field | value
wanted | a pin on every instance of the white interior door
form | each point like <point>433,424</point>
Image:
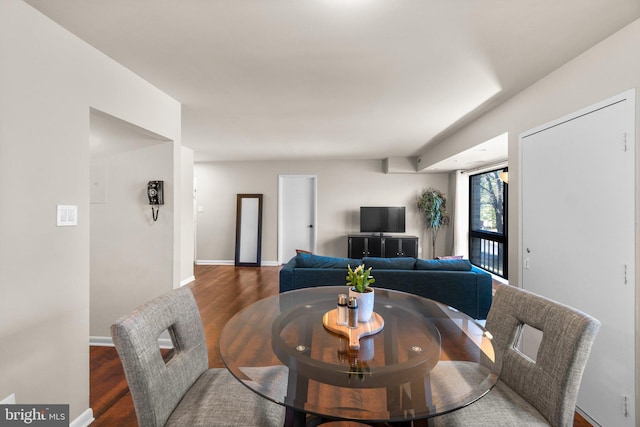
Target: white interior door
<point>296,215</point>
<point>578,247</point>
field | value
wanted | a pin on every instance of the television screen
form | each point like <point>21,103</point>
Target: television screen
<point>382,219</point>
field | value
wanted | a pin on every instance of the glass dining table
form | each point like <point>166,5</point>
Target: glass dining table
<point>428,358</point>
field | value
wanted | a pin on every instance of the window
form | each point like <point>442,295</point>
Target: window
<point>488,222</point>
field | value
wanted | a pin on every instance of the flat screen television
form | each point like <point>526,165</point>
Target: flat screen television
<point>382,219</point>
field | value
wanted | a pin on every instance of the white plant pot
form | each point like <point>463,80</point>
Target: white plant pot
<point>365,304</point>
<point>367,349</point>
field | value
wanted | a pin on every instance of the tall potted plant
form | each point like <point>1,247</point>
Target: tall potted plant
<point>432,206</point>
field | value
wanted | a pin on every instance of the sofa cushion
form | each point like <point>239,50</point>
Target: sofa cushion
<point>443,264</point>
<point>318,261</point>
<point>401,263</point>
<point>450,257</point>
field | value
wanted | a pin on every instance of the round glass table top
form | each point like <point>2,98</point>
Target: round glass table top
<point>428,358</point>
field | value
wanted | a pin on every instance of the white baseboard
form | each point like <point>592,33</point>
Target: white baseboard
<point>108,342</point>
<point>9,400</point>
<point>101,341</point>
<point>587,417</point>
<point>231,262</point>
<point>84,420</point>
<point>499,279</point>
<point>214,262</point>
<point>165,343</point>
<point>188,280</point>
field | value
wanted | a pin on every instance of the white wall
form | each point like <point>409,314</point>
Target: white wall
<point>607,69</point>
<point>187,224</point>
<point>49,80</point>
<point>130,253</point>
<point>343,186</point>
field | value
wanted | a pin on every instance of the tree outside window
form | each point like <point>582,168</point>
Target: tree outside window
<point>488,222</point>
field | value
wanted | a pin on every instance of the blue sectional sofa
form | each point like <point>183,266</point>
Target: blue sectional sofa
<point>456,282</point>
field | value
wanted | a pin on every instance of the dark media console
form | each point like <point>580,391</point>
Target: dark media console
<point>386,246</point>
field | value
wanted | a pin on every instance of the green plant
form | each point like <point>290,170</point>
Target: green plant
<point>433,208</point>
<point>359,369</point>
<point>359,279</point>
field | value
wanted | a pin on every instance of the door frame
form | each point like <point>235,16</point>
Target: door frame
<point>314,212</point>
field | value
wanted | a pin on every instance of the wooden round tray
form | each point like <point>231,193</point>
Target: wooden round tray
<point>373,326</point>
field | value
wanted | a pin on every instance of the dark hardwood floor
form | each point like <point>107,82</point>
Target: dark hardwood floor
<point>221,291</point>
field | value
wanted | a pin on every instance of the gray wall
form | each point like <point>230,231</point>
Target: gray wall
<point>343,186</point>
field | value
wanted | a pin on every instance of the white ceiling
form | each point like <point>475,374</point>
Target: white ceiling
<point>491,152</point>
<point>293,79</point>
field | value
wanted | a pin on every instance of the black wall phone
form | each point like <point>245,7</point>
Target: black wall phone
<point>155,192</point>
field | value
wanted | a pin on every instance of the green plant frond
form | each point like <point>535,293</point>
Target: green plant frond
<point>432,205</point>
<point>359,279</point>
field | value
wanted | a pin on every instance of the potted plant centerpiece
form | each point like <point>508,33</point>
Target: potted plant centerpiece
<point>358,281</point>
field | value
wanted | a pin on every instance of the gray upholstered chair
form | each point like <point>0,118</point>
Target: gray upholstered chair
<point>529,393</point>
<point>182,391</point>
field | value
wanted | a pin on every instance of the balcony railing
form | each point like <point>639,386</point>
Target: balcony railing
<point>489,254</point>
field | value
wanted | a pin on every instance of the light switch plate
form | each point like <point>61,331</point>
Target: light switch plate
<point>66,215</point>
